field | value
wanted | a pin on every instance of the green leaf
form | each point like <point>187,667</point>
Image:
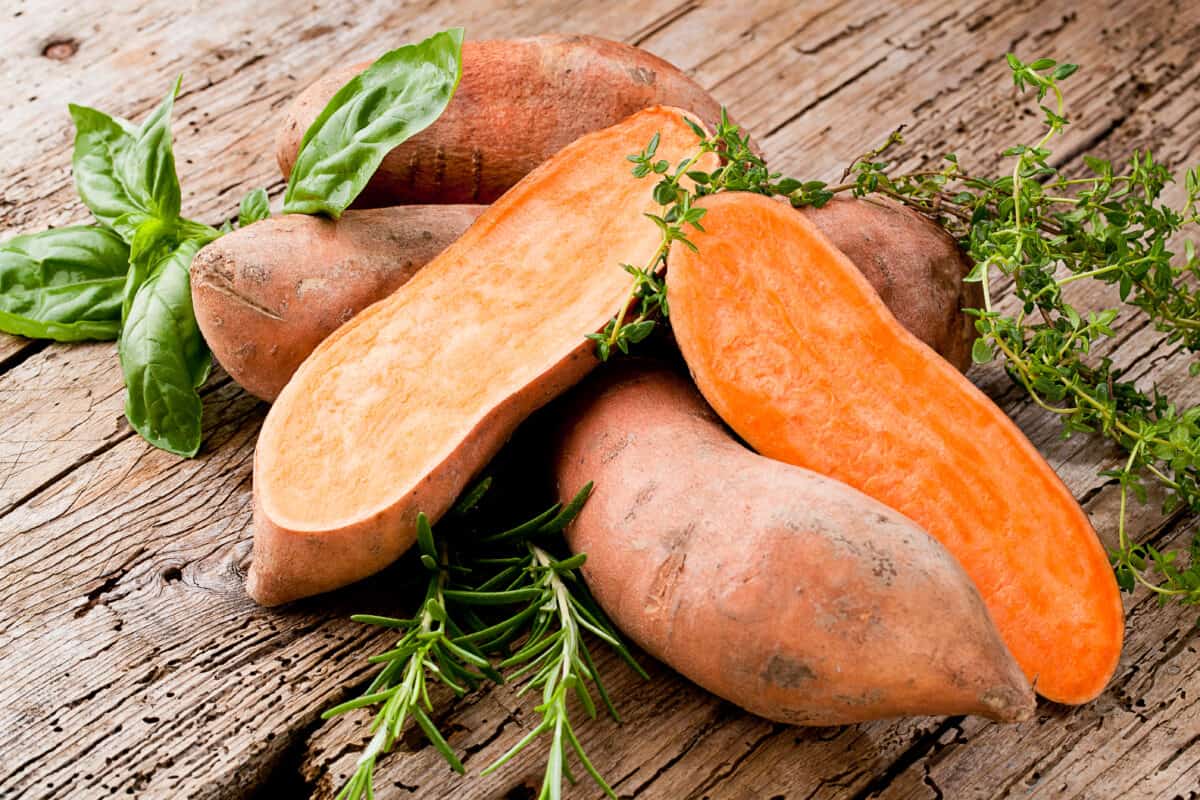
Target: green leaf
<point>255,206</point>
<point>152,241</point>
<point>100,142</point>
<point>148,167</point>
<point>126,174</point>
<point>164,357</point>
<point>396,97</point>
<point>63,284</point>
<point>1065,71</point>
<point>981,351</point>
<point>1042,64</point>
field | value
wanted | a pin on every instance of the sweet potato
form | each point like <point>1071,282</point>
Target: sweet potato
<point>396,411</point>
<point>783,591</point>
<point>787,341</point>
<point>915,266</point>
<point>519,102</point>
<point>267,295</point>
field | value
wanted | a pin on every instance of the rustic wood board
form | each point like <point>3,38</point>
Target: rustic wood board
<point>131,662</point>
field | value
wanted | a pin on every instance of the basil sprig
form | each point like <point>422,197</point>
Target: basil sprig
<point>395,98</point>
<point>64,284</point>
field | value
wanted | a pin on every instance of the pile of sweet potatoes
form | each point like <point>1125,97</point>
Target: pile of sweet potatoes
<point>883,548</point>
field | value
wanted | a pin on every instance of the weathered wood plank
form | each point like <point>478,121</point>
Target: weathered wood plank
<point>142,665</point>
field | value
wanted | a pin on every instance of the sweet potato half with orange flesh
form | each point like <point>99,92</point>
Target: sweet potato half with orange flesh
<point>793,349</point>
<point>394,413</point>
<point>519,102</point>
<point>266,295</point>
<point>792,595</point>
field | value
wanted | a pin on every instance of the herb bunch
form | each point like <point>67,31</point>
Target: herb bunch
<point>1041,229</point>
<point>501,608</point>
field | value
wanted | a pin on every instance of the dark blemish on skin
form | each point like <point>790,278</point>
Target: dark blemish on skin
<point>783,671</point>
<point>60,49</point>
<point>642,75</point>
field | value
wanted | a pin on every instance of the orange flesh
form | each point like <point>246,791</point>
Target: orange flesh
<point>393,394</point>
<point>792,347</point>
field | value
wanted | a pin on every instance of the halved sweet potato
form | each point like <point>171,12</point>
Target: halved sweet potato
<point>797,353</point>
<point>786,592</point>
<point>394,413</point>
<point>268,294</point>
<point>519,102</point>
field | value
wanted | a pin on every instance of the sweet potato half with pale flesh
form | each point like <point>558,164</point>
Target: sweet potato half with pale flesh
<point>792,595</point>
<point>795,351</point>
<point>266,295</point>
<point>395,412</point>
<point>519,102</point>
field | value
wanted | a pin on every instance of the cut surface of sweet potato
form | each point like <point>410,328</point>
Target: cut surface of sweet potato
<point>395,412</point>
<point>789,344</point>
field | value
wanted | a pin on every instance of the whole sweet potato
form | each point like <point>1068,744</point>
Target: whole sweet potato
<point>268,294</point>
<point>519,102</point>
<point>915,266</point>
<point>790,594</point>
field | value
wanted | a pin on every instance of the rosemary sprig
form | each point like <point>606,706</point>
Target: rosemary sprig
<point>485,593</point>
<point>434,646</point>
<point>556,659</point>
<point>1043,230</point>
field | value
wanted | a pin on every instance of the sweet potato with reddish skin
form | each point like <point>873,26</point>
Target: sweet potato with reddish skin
<point>268,294</point>
<point>790,594</point>
<point>519,102</point>
<point>796,352</point>
<point>396,411</point>
<point>915,266</point>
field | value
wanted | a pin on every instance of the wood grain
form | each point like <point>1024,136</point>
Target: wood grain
<point>131,662</point>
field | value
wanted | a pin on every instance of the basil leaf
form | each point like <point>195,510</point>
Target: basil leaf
<point>164,357</point>
<point>152,241</point>
<point>398,96</point>
<point>148,167</point>
<point>63,284</point>
<point>255,206</point>
<point>100,141</point>
<point>126,174</point>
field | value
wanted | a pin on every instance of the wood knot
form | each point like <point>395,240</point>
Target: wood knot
<point>60,49</point>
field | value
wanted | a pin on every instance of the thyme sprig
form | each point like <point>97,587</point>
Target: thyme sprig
<point>1042,229</point>
<point>485,594</point>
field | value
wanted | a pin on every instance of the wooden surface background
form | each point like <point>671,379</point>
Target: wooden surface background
<point>131,661</point>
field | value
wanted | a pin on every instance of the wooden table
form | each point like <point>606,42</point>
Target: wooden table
<point>133,664</point>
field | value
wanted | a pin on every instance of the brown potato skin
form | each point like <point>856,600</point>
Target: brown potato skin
<point>266,295</point>
<point>519,102</point>
<point>915,266</point>
<point>794,596</point>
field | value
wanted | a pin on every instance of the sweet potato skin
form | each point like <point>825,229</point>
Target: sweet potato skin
<point>785,592</point>
<point>268,294</point>
<point>792,348</point>
<point>397,411</point>
<point>519,102</point>
<point>915,266</point>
